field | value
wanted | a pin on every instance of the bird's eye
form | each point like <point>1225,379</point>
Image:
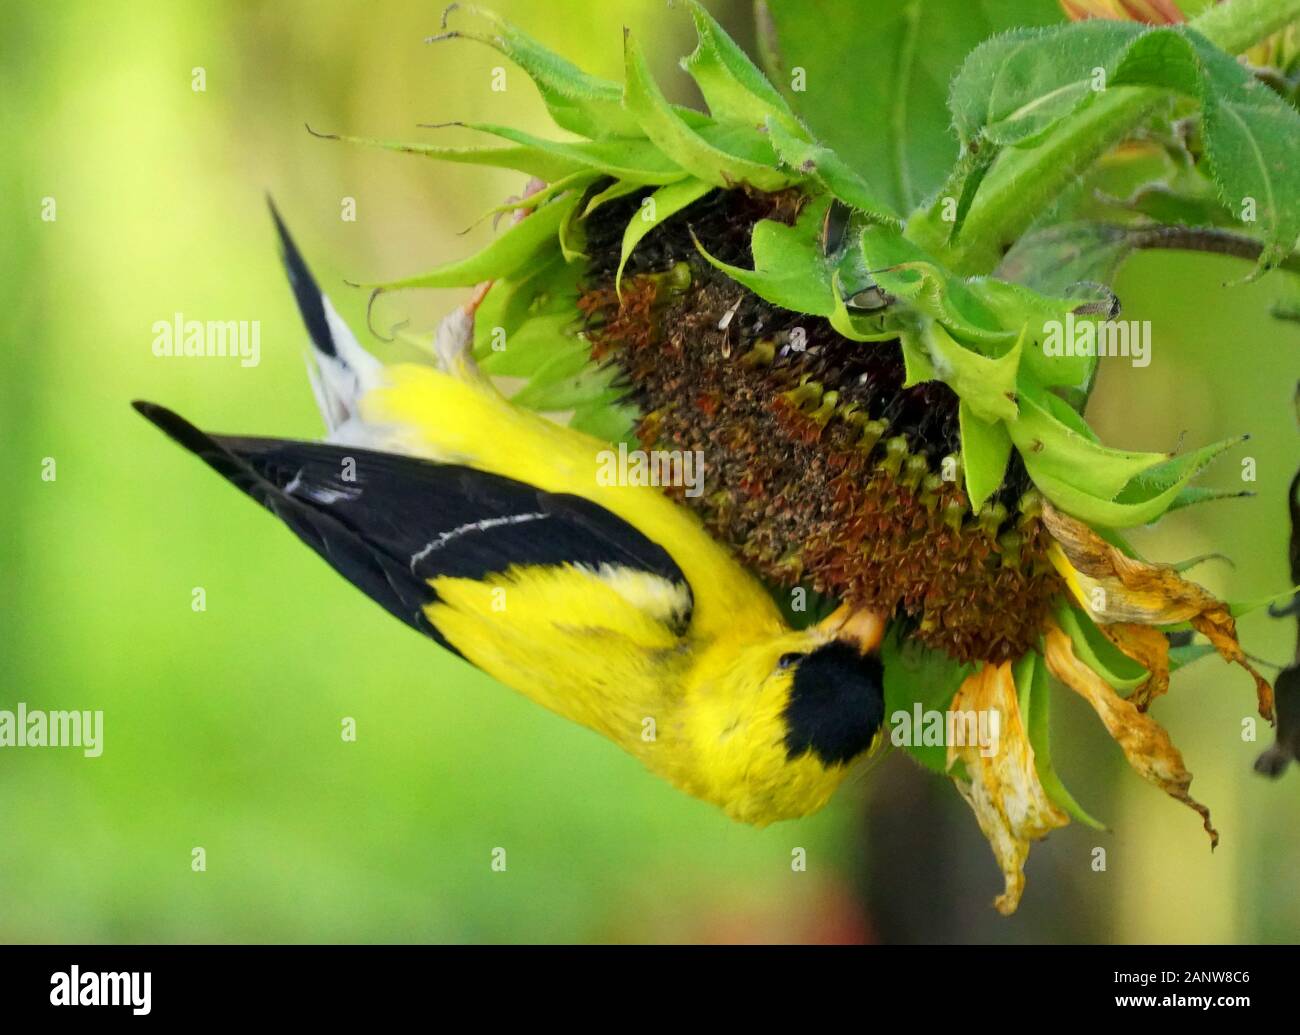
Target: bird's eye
<point>788,660</point>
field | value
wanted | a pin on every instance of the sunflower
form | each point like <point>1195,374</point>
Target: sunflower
<point>881,434</point>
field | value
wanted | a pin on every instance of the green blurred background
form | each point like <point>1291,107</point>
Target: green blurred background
<point>222,727</point>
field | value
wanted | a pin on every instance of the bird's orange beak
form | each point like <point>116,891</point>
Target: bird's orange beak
<point>859,626</point>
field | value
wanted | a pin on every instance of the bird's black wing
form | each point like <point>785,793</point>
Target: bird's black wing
<point>390,523</point>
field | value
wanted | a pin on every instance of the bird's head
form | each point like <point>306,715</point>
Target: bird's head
<point>800,708</point>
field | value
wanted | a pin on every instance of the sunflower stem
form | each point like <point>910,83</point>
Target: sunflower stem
<point>1213,240</point>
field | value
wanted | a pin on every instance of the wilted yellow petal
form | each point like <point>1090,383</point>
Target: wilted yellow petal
<point>1144,741</point>
<point>1115,588</point>
<point>1150,649</point>
<point>1004,791</point>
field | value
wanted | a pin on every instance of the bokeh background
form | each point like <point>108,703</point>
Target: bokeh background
<point>223,726</point>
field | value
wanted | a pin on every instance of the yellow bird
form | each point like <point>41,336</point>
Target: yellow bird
<point>486,527</point>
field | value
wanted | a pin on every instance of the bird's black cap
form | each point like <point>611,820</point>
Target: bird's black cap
<point>837,704</point>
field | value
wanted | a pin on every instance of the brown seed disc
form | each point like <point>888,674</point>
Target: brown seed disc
<point>821,469</point>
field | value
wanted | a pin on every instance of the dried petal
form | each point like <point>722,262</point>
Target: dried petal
<point>1150,649</point>
<point>1115,588</point>
<point>1144,741</point>
<point>1004,790</point>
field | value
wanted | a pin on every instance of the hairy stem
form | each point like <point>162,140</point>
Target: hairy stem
<point>1205,239</point>
<point>1024,182</point>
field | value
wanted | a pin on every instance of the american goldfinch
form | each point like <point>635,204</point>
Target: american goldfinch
<point>485,527</point>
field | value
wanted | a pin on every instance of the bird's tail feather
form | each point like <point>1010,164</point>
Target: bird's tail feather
<point>340,369</point>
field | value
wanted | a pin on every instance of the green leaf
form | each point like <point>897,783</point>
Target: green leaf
<point>919,679</point>
<point>1063,412</point>
<point>663,203</point>
<point>617,189</point>
<point>1014,305</point>
<point>545,164</point>
<point>790,268</point>
<point>1190,495</point>
<point>1014,88</point>
<point>876,76</point>
<point>1061,452</point>
<point>1254,151</point>
<point>572,235</point>
<point>579,102</point>
<point>525,328</point>
<point>1244,607</point>
<point>970,172</point>
<point>518,246</point>
<point>917,368</point>
<point>1034,690</point>
<point>578,181</point>
<point>746,158</point>
<point>1176,472</point>
<point>986,385</point>
<point>1189,202</point>
<point>904,270</point>
<point>544,362</point>
<point>985,450</point>
<point>1193,562</point>
<point>1140,502</point>
<point>828,169</point>
<point>634,159</point>
<point>734,89</point>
